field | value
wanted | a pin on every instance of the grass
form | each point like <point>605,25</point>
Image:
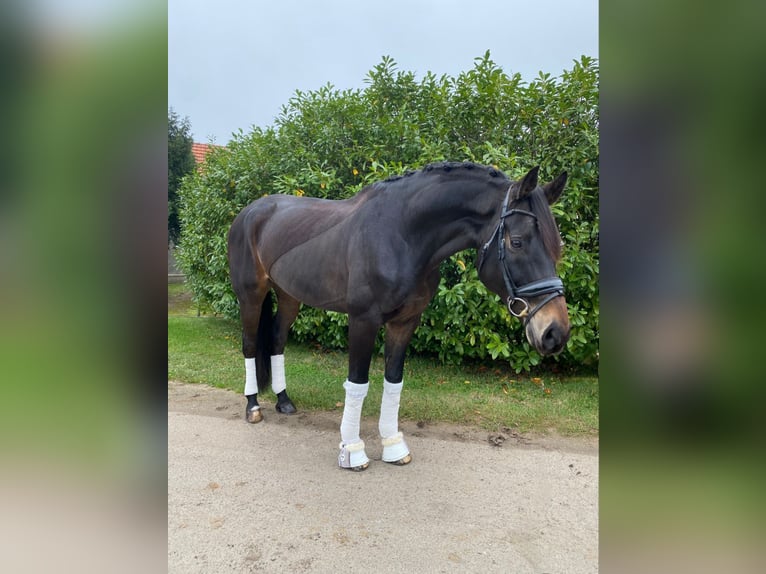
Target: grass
<point>206,350</point>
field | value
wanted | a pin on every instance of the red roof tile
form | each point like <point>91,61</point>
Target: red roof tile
<point>200,151</point>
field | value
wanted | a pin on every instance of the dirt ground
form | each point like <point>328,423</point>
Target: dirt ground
<point>270,498</point>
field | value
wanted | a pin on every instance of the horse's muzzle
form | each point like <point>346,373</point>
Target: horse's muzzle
<point>554,339</point>
<point>548,330</point>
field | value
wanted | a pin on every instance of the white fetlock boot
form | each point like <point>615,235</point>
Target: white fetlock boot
<point>395,450</point>
<point>353,457</point>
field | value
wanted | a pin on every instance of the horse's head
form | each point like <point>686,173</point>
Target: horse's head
<point>518,261</point>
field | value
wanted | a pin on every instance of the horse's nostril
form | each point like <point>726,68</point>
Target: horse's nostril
<point>554,339</point>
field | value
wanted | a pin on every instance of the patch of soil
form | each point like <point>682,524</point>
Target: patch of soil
<point>223,403</point>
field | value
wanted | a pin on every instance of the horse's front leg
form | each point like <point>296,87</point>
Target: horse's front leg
<point>398,336</point>
<point>361,343</point>
<point>399,332</point>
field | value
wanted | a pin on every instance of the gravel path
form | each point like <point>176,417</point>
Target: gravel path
<point>270,498</point>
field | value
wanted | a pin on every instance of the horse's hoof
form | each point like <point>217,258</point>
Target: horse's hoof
<point>352,457</point>
<point>402,461</point>
<point>286,408</point>
<point>284,404</point>
<point>396,451</point>
<point>253,415</point>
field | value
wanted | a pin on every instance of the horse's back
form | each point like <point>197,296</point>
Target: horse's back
<point>269,228</point>
<point>277,224</point>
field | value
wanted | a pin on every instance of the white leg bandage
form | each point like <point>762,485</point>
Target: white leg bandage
<point>395,449</point>
<point>278,383</point>
<point>352,412</point>
<point>388,424</point>
<point>251,382</point>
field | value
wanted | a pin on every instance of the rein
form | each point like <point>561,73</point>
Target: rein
<point>517,295</point>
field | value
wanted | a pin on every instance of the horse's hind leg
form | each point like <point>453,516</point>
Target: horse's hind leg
<point>287,311</point>
<point>252,287</point>
<point>253,307</point>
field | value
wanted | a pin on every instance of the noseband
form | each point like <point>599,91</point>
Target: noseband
<point>517,295</point>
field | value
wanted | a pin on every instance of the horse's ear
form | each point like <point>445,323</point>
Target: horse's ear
<point>553,189</point>
<point>527,184</point>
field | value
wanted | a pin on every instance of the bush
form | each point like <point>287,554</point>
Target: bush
<point>329,143</point>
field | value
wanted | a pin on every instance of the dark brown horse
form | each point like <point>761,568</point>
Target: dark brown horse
<point>376,257</point>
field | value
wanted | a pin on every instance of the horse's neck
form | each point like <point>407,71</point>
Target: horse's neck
<point>453,216</point>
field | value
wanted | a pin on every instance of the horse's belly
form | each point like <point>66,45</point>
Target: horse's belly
<point>316,277</point>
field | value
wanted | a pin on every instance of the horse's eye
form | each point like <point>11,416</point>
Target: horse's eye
<point>516,243</point>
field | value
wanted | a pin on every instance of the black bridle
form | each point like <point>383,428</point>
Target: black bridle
<point>551,286</point>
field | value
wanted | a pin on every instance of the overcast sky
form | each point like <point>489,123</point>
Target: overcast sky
<point>232,64</point>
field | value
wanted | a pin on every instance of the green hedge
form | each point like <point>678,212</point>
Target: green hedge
<point>330,143</point>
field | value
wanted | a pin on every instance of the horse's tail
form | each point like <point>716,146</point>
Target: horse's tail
<point>265,343</point>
